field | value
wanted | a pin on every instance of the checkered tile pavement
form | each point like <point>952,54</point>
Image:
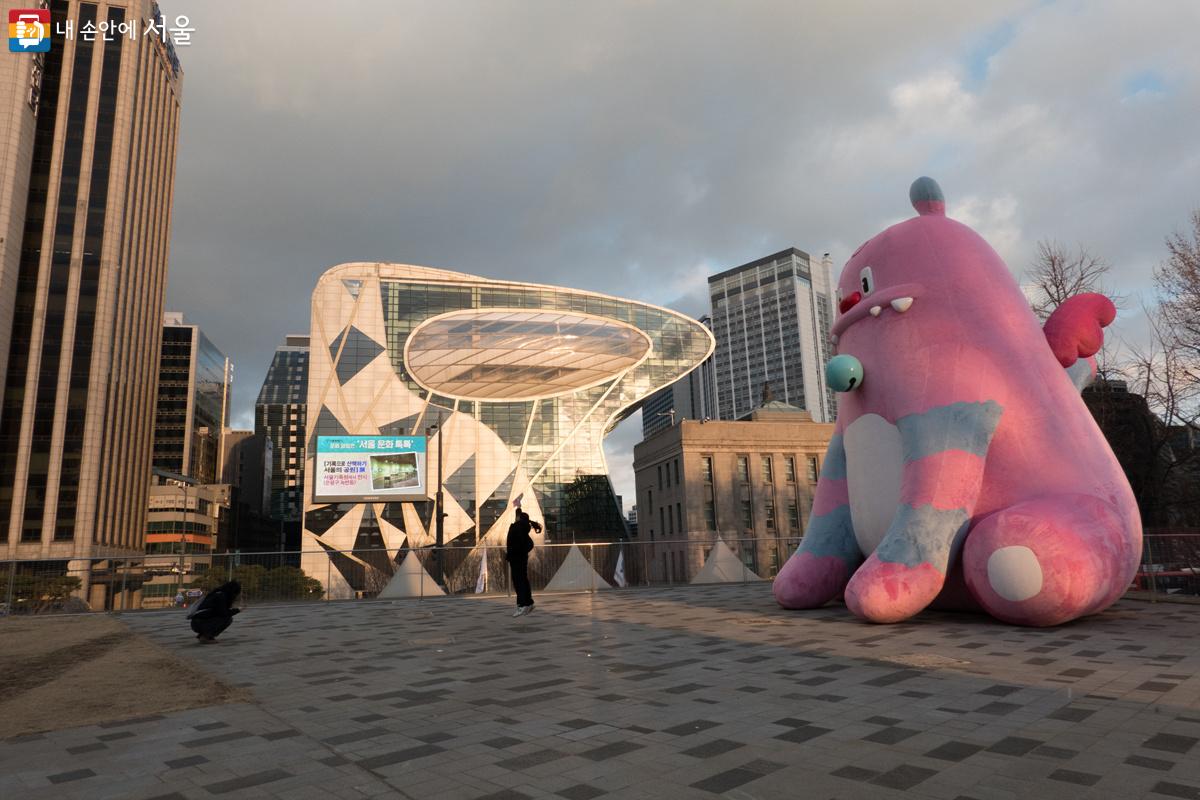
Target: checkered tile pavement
<point>690,692</point>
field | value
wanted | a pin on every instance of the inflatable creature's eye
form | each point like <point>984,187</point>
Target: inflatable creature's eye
<point>866,280</point>
<point>839,296</point>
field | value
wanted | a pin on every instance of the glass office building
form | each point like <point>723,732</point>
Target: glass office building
<point>195,381</point>
<point>279,414</point>
<point>524,380</point>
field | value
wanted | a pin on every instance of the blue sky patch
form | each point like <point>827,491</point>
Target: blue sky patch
<point>1147,83</point>
<point>982,49</point>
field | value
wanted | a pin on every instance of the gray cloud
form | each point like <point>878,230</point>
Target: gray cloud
<point>634,147</point>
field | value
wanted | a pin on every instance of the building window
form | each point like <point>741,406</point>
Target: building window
<point>670,523</point>
<point>812,469</point>
<point>743,469</point>
<point>767,475</point>
<point>662,520</point>
<point>793,516</point>
<point>747,515</point>
<point>710,515</point>
<point>748,558</point>
<point>770,516</point>
<point>789,464</point>
<point>677,481</point>
<point>706,468</point>
<point>679,516</point>
<point>660,484</point>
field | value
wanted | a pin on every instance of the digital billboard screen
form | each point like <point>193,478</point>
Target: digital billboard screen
<point>369,469</point>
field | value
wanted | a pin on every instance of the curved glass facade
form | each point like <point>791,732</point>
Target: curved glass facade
<point>523,379</point>
<point>520,354</point>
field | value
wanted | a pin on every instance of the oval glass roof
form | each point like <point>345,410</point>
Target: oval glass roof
<point>520,354</point>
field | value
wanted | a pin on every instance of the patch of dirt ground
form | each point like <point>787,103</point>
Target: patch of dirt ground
<point>63,672</point>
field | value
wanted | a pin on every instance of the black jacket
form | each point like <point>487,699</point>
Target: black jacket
<point>519,542</point>
<point>219,602</point>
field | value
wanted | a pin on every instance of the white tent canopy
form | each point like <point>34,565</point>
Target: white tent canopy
<point>576,574</point>
<point>723,566</point>
<point>410,580</point>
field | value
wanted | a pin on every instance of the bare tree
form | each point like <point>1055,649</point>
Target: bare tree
<point>1057,275</point>
<point>1178,283</point>
<point>1162,371</point>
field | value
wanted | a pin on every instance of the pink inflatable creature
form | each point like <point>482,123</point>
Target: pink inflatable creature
<point>964,468</point>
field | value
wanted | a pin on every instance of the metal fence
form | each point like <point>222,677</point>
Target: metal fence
<point>157,581</point>
<point>1170,566</point>
<point>1170,563</point>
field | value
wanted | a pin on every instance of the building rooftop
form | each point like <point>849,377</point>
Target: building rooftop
<point>687,692</point>
<point>776,410</point>
<point>758,262</point>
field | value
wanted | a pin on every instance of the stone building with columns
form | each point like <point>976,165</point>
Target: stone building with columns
<point>749,482</point>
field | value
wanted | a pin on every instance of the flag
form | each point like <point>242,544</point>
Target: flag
<point>619,572</point>
<point>481,584</point>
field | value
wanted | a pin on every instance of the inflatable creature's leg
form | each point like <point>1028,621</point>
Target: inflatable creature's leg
<point>1050,560</point>
<point>829,553</point>
<point>945,450</point>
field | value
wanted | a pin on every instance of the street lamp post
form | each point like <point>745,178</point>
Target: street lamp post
<point>182,542</point>
<point>437,508</point>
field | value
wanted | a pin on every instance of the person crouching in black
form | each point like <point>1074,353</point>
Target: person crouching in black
<point>215,612</point>
<point>517,547</point>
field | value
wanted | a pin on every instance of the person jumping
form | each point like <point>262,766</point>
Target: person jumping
<point>517,548</point>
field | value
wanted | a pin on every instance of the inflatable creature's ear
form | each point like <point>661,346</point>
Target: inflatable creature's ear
<point>926,197</point>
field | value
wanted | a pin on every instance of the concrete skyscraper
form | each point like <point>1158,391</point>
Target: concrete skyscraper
<point>771,320</point>
<point>280,414</point>
<point>87,178</point>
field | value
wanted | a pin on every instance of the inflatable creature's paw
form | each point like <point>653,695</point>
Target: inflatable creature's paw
<point>883,591</point>
<point>1047,561</point>
<point>810,581</point>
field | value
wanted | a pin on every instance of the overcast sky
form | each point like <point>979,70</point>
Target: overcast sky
<point>637,147</point>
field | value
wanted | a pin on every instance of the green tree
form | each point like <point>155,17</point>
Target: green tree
<point>258,583</point>
<point>35,594</point>
<point>590,511</point>
<point>290,583</point>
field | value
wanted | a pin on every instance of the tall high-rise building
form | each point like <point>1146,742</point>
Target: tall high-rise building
<point>280,414</point>
<point>771,320</point>
<point>694,396</point>
<point>247,469</point>
<point>195,382</point>
<point>247,472</point>
<point>88,174</point>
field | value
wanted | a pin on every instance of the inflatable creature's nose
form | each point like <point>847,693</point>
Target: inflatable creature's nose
<point>849,302</point>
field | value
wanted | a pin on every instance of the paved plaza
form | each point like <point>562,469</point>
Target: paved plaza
<point>691,692</point>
